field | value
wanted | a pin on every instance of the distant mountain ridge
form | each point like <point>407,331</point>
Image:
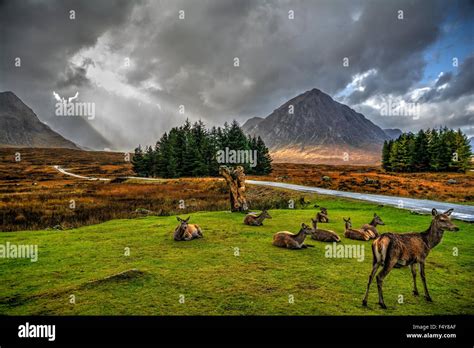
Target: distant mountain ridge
<point>312,127</point>
<point>20,127</point>
<point>393,133</point>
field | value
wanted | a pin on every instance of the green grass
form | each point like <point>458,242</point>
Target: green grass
<point>214,281</point>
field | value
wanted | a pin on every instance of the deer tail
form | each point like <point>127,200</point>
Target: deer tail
<point>379,249</point>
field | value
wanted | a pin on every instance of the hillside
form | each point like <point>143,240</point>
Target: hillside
<point>20,127</point>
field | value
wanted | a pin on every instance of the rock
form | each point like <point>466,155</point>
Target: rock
<point>452,181</point>
<point>326,178</point>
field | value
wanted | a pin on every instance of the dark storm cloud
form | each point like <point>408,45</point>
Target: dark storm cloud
<point>280,57</point>
<point>457,85</point>
<point>41,34</point>
<point>190,61</point>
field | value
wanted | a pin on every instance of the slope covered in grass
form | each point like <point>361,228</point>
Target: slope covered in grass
<point>86,262</point>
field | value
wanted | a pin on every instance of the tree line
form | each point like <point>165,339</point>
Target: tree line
<point>192,150</point>
<point>434,150</point>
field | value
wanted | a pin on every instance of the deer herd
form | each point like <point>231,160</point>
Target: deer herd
<point>389,250</point>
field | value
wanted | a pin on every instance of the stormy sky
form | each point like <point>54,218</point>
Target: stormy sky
<point>140,62</point>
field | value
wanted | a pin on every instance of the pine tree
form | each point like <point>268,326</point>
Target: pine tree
<point>191,151</point>
<point>421,156</point>
<point>462,152</point>
<point>434,150</point>
<point>138,162</point>
<point>264,160</point>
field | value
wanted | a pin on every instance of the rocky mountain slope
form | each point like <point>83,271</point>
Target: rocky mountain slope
<point>20,127</point>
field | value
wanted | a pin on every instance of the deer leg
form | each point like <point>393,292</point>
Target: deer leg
<point>423,278</point>
<point>375,267</point>
<point>380,277</point>
<point>293,245</point>
<point>413,272</point>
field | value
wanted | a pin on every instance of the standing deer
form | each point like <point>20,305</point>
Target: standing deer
<point>323,235</point>
<point>353,233</point>
<point>253,219</point>
<point>290,240</point>
<point>393,250</point>
<point>185,231</point>
<point>322,216</point>
<point>371,227</point>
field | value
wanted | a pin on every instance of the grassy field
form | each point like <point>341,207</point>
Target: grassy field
<point>214,281</point>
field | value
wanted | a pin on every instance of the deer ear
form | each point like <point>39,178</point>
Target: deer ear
<point>187,219</point>
<point>375,214</point>
<point>434,212</point>
<point>448,212</point>
<point>178,218</point>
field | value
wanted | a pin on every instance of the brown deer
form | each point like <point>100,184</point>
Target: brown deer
<point>393,250</point>
<point>323,235</point>
<point>290,240</point>
<point>353,233</point>
<point>371,227</point>
<point>185,231</point>
<point>253,219</point>
<point>322,216</point>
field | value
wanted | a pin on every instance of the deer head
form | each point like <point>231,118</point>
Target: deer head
<point>348,223</point>
<point>442,221</point>
<point>183,223</point>
<point>305,229</point>
<point>265,214</point>
<point>377,220</point>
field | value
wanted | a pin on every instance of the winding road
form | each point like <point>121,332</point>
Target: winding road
<point>461,212</point>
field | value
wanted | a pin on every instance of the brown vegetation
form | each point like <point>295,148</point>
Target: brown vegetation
<point>33,195</point>
<point>373,179</point>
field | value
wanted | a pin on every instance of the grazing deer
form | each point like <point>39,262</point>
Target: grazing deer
<point>185,231</point>
<point>393,250</point>
<point>322,216</point>
<point>353,233</point>
<point>253,219</point>
<point>371,227</point>
<point>290,240</point>
<point>323,235</point>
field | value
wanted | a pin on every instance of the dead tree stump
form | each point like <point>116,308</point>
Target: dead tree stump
<point>235,179</point>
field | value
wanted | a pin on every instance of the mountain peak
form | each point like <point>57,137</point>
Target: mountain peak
<point>313,118</point>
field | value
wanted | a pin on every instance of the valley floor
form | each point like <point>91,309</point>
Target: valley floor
<point>34,195</point>
<point>233,270</point>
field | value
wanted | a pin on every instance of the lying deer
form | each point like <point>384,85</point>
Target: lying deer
<point>371,227</point>
<point>253,219</point>
<point>323,235</point>
<point>290,240</point>
<point>393,250</point>
<point>185,231</point>
<point>322,216</point>
<point>353,233</point>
